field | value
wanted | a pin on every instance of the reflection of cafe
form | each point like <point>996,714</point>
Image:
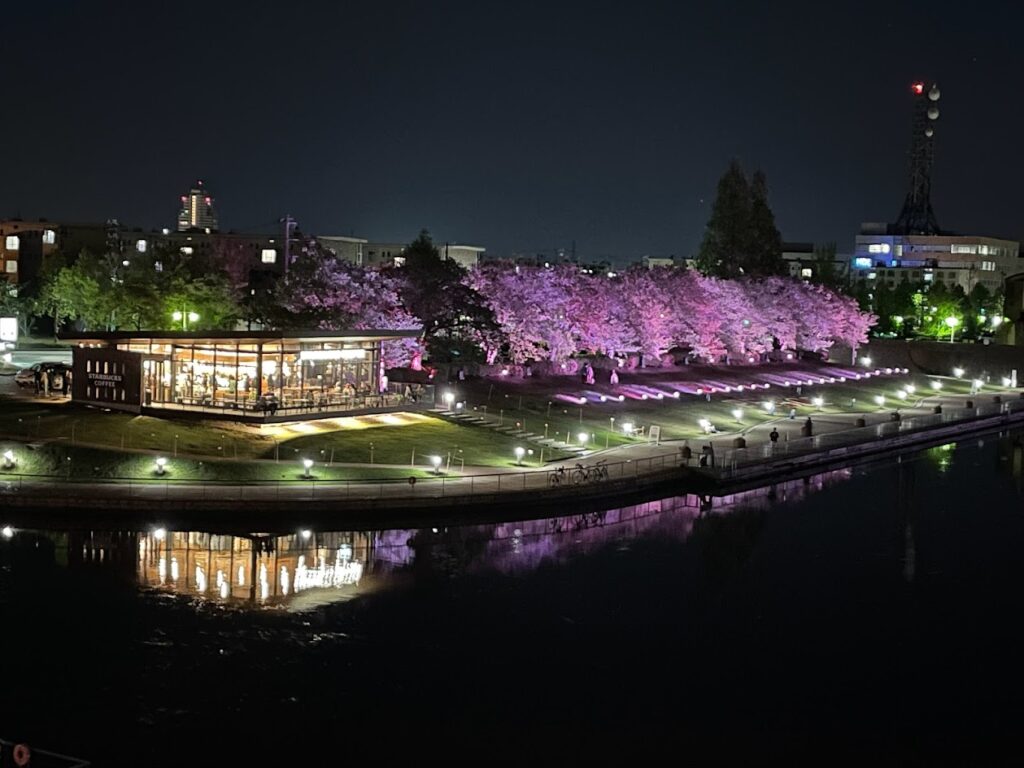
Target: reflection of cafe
<point>255,375</point>
<point>264,569</point>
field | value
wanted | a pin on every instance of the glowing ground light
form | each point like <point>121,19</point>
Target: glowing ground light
<point>704,424</point>
<point>622,398</point>
<point>958,372</point>
<point>8,459</point>
<point>978,383</point>
<point>307,465</point>
<point>911,389</point>
<point>520,452</point>
<point>737,413</point>
<point>582,437</point>
<point>818,401</point>
<point>627,428</point>
<point>436,461</point>
<point>161,465</point>
<point>676,394</point>
<point>1006,381</point>
<point>880,399</point>
<point>936,385</point>
<point>769,406</point>
<point>866,362</point>
<point>901,394</point>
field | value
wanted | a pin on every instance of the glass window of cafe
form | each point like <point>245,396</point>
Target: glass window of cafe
<point>310,373</point>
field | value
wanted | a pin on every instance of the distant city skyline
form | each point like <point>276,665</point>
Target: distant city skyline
<point>520,129</point>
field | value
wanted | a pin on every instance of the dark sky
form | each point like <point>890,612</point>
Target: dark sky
<point>518,126</point>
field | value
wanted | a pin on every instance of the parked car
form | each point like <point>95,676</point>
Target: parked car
<point>26,377</point>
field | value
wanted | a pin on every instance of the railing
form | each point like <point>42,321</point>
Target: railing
<point>727,463</point>
<point>620,475</point>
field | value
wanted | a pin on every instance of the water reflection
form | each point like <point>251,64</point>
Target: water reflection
<point>263,570</point>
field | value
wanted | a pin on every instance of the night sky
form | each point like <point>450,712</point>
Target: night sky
<point>515,125</point>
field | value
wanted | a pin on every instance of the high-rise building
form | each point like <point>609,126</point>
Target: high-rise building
<point>197,211</point>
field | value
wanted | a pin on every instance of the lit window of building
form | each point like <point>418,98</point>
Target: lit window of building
<point>49,237</point>
<point>12,243</point>
<point>806,272</point>
<point>140,246</point>
<point>12,267</point>
<point>988,266</point>
<point>268,256</point>
<point>963,249</point>
<point>878,248</point>
<point>862,262</point>
<point>186,250</point>
<point>400,261</point>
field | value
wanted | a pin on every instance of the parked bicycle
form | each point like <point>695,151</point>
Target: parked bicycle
<point>590,473</point>
<point>557,477</point>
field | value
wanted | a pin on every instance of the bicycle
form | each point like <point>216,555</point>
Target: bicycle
<point>557,477</point>
<point>580,475</point>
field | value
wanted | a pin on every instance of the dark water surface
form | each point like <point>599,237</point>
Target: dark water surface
<point>868,613</point>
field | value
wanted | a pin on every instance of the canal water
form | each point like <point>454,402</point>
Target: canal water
<point>872,612</point>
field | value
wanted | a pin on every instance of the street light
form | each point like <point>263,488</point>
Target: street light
<point>582,437</point>
<point>936,385</point>
<point>9,461</point>
<point>8,532</point>
<point>769,406</point>
<point>449,397</point>
<point>817,402</point>
<point>627,428</point>
<point>952,322</point>
<point>958,372</point>
<point>307,465</point>
<point>880,400</point>
<point>185,318</point>
<point>520,452</point>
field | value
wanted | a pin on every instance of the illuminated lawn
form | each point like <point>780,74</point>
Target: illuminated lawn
<point>234,452</point>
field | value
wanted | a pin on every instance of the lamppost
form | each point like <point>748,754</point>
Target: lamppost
<point>185,317</point>
<point>952,323</point>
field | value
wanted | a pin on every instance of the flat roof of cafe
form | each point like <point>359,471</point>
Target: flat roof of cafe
<point>239,337</point>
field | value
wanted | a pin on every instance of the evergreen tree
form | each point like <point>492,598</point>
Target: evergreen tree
<point>764,245</point>
<point>723,252</point>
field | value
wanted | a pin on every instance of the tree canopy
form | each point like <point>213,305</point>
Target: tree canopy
<point>741,238</point>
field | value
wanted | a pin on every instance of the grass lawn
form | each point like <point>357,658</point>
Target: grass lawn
<point>397,445</point>
<point>227,451</point>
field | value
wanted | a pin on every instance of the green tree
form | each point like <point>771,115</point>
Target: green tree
<point>764,242</point>
<point>723,251</point>
<point>824,266</point>
<point>434,290</point>
<point>70,294</point>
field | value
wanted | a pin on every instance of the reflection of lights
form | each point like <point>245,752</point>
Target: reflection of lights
<point>161,569</point>
<point>337,575</point>
<point>174,569</point>
<point>264,584</point>
<point>224,589</point>
<point>284,580</point>
<point>200,579</point>
<point>241,576</point>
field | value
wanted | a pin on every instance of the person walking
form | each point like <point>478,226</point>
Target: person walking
<point>774,435</point>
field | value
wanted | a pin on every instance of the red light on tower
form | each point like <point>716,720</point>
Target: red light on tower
<point>917,88</point>
<point>207,201</point>
<point>184,198</point>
